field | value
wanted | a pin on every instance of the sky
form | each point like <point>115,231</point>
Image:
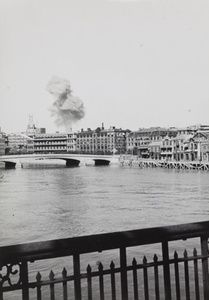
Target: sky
<point>133,63</point>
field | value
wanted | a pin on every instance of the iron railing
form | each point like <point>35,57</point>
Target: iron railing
<point>164,276</point>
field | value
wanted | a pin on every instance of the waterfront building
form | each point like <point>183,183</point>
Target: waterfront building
<point>17,143</point>
<point>190,130</point>
<point>175,148</point>
<point>199,146</point>
<point>131,143</point>
<point>186,147</point>
<point>205,149</point>
<point>50,143</point>
<point>172,148</point>
<point>143,147</point>
<point>31,128</point>
<point>186,144</point>
<point>155,149</point>
<point>31,132</point>
<point>30,145</point>
<point>167,148</point>
<point>2,143</point>
<point>98,141</point>
<point>71,142</point>
<point>204,143</point>
<point>138,142</point>
<point>175,144</point>
<point>86,141</point>
<point>101,141</point>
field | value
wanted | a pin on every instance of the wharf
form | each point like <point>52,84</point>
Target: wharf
<point>144,163</point>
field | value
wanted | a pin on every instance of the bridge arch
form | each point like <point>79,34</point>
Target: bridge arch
<point>70,162</point>
<point>101,162</point>
<point>9,164</point>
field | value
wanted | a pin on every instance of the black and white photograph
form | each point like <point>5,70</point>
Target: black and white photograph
<point>104,150</point>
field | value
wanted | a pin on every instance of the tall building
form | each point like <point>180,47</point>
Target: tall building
<point>31,132</point>
<point>31,128</point>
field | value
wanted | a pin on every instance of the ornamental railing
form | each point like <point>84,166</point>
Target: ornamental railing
<point>139,264</point>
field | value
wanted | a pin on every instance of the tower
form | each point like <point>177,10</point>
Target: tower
<point>31,126</point>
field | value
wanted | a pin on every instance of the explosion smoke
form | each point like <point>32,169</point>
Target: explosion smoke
<point>67,109</point>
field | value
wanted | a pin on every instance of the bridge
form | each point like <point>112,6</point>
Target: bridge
<point>72,160</point>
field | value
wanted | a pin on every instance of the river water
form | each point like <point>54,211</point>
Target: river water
<point>44,202</point>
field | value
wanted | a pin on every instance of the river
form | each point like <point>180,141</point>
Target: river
<point>45,202</point>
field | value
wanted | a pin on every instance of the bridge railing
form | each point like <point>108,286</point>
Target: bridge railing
<point>166,275</point>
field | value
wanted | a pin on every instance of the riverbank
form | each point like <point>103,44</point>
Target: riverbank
<point>144,163</point>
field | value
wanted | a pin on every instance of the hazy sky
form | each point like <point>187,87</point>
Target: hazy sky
<point>133,63</point>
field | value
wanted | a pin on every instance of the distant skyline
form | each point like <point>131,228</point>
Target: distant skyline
<point>133,64</point>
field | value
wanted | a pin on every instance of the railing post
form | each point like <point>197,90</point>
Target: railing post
<point>166,270</point>
<point>24,278</point>
<point>1,291</point>
<point>204,250</point>
<point>77,278</point>
<point>123,266</point>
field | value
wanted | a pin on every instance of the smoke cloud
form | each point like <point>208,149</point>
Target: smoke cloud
<point>66,109</point>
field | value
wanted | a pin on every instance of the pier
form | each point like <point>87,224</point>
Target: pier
<point>151,163</point>
<point>167,275</point>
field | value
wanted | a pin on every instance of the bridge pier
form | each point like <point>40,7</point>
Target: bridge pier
<point>72,163</point>
<point>9,165</point>
<point>101,162</point>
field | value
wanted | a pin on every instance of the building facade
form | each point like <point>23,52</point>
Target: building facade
<point>144,141</point>
<point>2,143</point>
<point>16,143</point>
<point>50,143</point>
<point>101,141</point>
<point>172,144</point>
